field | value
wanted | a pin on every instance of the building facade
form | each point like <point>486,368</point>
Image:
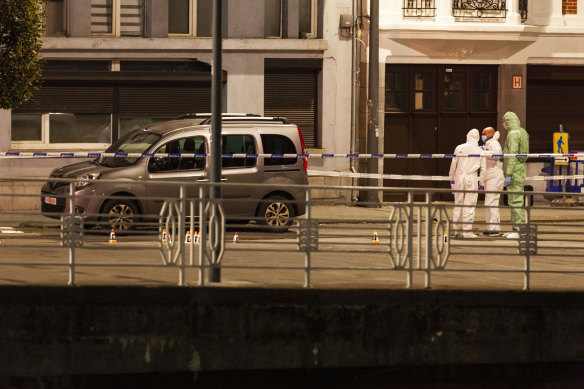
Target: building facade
<point>446,66</point>
<point>453,65</point>
<point>115,65</point>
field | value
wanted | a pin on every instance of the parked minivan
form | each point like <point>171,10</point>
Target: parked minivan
<point>121,205</point>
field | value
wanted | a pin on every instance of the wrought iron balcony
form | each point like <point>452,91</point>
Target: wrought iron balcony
<point>419,8</point>
<point>479,9</point>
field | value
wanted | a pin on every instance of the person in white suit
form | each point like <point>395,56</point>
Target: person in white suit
<point>492,179</point>
<point>463,176</point>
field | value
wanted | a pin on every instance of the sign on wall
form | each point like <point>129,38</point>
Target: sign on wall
<point>517,82</point>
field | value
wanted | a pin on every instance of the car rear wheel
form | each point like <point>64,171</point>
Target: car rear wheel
<point>120,215</point>
<point>276,214</point>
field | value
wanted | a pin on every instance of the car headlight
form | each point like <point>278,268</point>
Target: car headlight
<point>85,179</point>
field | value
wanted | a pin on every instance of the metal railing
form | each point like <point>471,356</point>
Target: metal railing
<point>479,9</point>
<point>419,8</point>
<point>404,244</point>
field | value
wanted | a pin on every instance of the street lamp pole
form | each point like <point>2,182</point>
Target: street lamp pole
<point>215,176</point>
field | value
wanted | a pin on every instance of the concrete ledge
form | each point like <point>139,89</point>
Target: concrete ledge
<point>109,330</point>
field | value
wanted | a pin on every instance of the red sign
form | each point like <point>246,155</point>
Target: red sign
<point>517,82</point>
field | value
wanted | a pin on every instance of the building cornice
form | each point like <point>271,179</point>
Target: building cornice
<point>131,47</point>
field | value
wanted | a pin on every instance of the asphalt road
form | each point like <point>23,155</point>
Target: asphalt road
<point>345,258</point>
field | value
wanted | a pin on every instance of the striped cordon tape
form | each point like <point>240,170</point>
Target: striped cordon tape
<point>318,173</point>
<point>19,154</point>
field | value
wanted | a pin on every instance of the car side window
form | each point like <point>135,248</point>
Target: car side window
<point>238,144</point>
<point>193,145</point>
<point>278,144</point>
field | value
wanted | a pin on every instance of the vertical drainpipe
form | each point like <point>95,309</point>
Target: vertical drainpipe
<point>354,100</point>
<point>371,198</point>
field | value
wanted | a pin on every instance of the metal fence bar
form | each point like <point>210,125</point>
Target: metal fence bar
<point>307,252</point>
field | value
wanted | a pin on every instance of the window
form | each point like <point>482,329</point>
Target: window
<point>481,95</point>
<point>238,144</point>
<point>193,145</point>
<point>273,19</point>
<point>55,22</point>
<point>423,91</point>
<point>117,17</point>
<point>396,91</point>
<point>190,17</point>
<point>61,130</point>
<point>278,144</point>
<point>453,90</point>
<point>307,18</point>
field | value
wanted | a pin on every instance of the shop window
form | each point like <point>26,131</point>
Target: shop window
<point>57,130</point>
<point>190,17</point>
<point>117,17</point>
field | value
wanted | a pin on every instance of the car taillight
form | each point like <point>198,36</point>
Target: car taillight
<point>304,159</point>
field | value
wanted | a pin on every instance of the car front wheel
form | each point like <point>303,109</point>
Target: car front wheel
<point>120,215</point>
<point>276,214</point>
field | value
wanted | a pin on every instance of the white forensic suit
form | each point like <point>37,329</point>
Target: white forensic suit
<point>492,178</point>
<point>463,176</point>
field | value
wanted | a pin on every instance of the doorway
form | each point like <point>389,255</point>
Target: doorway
<point>428,110</point>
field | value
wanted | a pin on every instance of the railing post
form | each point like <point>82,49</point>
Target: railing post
<point>307,252</point>
<point>202,235</point>
<point>428,249</point>
<point>72,240</point>
<point>181,235</point>
<point>410,275</point>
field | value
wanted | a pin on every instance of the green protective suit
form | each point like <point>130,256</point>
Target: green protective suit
<point>517,142</point>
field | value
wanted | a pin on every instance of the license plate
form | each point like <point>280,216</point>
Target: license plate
<point>51,200</point>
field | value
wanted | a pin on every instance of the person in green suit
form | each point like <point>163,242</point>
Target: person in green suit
<point>517,142</point>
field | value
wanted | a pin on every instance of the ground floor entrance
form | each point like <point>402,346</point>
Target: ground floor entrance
<point>429,109</point>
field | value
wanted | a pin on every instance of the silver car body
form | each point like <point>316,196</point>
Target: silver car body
<point>239,202</point>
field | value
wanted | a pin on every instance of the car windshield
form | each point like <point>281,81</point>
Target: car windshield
<point>135,142</point>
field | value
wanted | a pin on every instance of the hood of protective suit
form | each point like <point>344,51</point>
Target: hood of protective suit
<point>473,136</point>
<point>496,136</point>
<point>512,120</point>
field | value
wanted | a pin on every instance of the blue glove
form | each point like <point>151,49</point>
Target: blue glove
<point>507,180</point>
<point>481,187</point>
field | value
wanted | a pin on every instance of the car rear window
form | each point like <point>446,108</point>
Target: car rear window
<point>278,144</point>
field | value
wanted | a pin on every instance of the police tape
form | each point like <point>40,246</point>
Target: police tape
<point>414,177</point>
<point>19,154</point>
<point>315,173</point>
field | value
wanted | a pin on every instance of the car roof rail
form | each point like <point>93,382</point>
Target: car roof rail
<point>251,119</point>
<point>205,115</point>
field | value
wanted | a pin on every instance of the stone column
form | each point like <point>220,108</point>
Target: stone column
<point>444,12</point>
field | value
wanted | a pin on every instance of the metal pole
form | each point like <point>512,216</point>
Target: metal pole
<point>428,248</point>
<point>410,276</point>
<point>354,99</point>
<point>181,235</point>
<point>216,69</point>
<point>309,232</point>
<point>372,197</point>
<point>71,233</point>
<point>373,127</point>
